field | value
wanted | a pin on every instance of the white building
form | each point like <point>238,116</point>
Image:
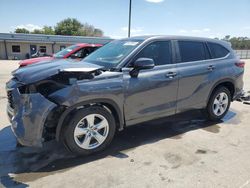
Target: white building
<point>21,46</point>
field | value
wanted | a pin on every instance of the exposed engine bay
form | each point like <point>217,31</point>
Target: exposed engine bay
<point>30,104</point>
<point>56,82</point>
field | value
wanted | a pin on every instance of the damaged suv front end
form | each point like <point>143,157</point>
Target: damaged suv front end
<point>32,112</point>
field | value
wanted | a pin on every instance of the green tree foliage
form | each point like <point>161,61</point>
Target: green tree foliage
<point>69,26</point>
<point>37,31</point>
<point>72,26</point>
<point>21,30</point>
<point>98,32</point>
<point>238,43</point>
<point>48,30</point>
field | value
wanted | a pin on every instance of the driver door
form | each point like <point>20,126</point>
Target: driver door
<point>152,94</point>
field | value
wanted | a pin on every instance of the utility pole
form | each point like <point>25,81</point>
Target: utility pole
<point>129,19</point>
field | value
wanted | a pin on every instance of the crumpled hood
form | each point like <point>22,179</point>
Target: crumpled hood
<point>40,71</point>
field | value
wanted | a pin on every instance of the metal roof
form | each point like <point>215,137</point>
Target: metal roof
<point>173,37</point>
<point>178,37</point>
<point>52,38</point>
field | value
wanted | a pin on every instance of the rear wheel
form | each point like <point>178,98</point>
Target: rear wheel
<point>218,104</point>
<point>90,130</point>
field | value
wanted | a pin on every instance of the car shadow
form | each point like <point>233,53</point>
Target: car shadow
<point>54,158</point>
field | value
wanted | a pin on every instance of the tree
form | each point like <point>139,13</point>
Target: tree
<point>37,31</point>
<point>48,30</point>
<point>72,26</point>
<point>21,30</point>
<point>226,38</point>
<point>238,42</point>
<point>69,26</point>
<point>87,30</point>
<point>98,32</point>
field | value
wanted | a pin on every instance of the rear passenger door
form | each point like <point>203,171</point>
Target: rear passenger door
<point>194,70</point>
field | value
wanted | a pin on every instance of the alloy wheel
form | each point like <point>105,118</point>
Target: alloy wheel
<point>220,103</point>
<point>91,131</point>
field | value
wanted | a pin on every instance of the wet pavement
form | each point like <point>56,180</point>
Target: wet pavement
<point>30,164</point>
<point>179,151</point>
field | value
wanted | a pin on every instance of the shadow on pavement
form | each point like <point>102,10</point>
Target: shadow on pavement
<point>29,164</point>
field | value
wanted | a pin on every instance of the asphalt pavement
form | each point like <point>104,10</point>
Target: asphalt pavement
<point>180,151</point>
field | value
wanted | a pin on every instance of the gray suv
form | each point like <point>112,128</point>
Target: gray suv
<point>126,82</point>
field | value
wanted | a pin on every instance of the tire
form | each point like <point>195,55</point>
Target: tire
<point>84,135</point>
<point>218,104</point>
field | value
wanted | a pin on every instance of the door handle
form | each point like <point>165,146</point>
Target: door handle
<point>211,67</point>
<point>171,74</point>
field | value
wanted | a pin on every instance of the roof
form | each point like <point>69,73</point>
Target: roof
<point>176,37</point>
<point>52,38</point>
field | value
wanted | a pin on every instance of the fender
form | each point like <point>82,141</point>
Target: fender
<point>218,83</point>
<point>71,108</point>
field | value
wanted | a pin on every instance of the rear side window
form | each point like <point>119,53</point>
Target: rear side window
<point>159,51</point>
<point>217,51</point>
<point>192,51</point>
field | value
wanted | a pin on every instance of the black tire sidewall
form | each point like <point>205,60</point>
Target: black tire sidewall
<point>210,113</point>
<point>68,134</point>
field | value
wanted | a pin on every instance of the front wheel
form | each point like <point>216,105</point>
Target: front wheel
<point>218,104</point>
<point>90,130</point>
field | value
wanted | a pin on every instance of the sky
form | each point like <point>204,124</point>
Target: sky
<point>206,18</point>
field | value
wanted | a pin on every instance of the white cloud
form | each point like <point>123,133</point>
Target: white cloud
<point>203,32</point>
<point>123,32</point>
<point>135,31</point>
<point>30,27</point>
<point>245,28</point>
<point>154,1</point>
<point>182,31</point>
<point>216,35</point>
<point>206,29</point>
<point>200,30</point>
<point>195,31</point>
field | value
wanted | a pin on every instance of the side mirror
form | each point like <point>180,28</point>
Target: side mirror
<point>140,64</point>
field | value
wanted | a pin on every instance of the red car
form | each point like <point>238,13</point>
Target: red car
<point>77,51</point>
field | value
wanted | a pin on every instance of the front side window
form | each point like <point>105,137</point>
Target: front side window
<point>110,55</point>
<point>91,49</point>
<point>82,53</point>
<point>16,49</point>
<point>159,51</point>
<point>217,51</point>
<point>65,51</point>
<point>192,51</point>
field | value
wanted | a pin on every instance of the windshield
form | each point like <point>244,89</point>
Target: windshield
<point>65,51</point>
<point>112,53</point>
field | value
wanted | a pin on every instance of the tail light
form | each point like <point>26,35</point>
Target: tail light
<point>240,64</point>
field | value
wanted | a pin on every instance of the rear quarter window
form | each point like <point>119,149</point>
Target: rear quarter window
<point>192,51</point>
<point>217,50</point>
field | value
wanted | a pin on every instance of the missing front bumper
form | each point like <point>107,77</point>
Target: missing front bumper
<point>28,117</point>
